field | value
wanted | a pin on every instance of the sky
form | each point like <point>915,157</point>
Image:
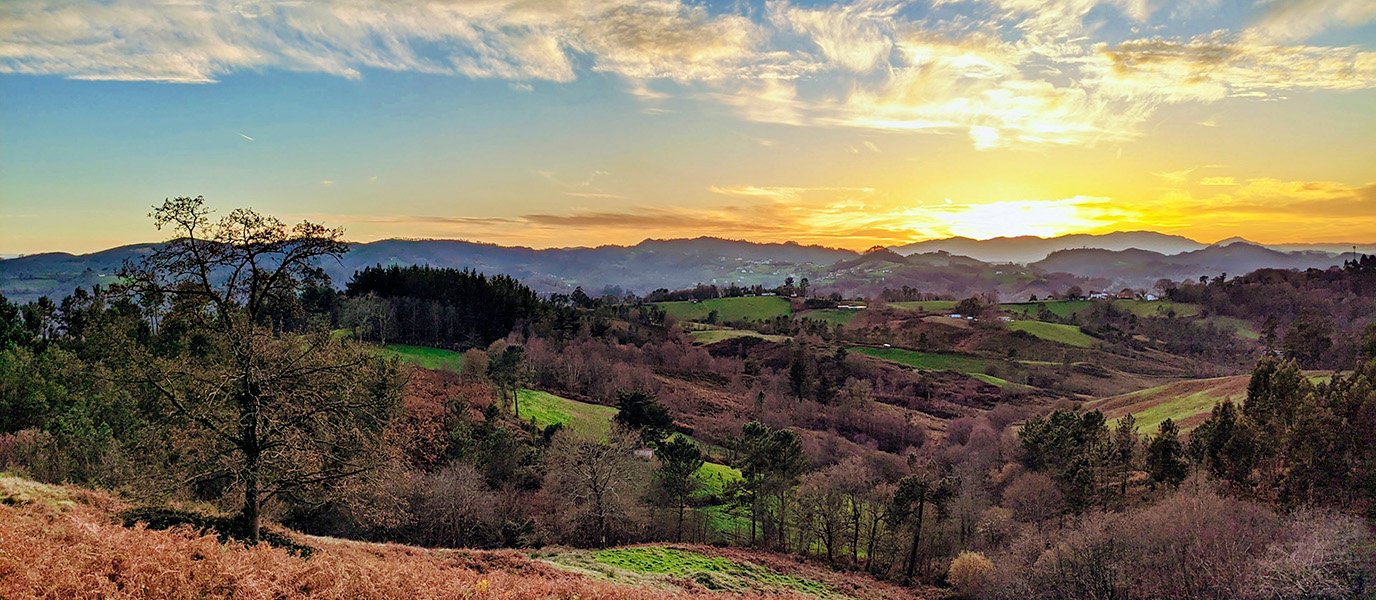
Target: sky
<point>552,123</point>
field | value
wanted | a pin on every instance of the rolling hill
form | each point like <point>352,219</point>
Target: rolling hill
<point>958,267</point>
<point>1135,268</point>
<point>1028,249</point>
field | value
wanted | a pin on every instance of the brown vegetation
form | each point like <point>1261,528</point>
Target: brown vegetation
<point>61,542</point>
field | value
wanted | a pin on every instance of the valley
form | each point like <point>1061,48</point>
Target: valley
<point>785,439</point>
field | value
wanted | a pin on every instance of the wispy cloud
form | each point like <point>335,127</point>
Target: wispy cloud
<point>1299,19</point>
<point>1002,72</point>
<point>1216,66</point>
<point>1218,181</point>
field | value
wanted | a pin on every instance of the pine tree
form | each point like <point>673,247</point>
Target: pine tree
<point>1166,456</point>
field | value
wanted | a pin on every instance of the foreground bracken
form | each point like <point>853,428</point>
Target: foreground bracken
<point>63,542</point>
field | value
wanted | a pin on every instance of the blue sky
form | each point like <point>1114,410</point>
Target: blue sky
<point>557,123</point>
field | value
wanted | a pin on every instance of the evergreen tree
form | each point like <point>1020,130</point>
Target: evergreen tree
<point>679,458</point>
<point>1125,449</point>
<point>1166,456</point>
<point>642,413</point>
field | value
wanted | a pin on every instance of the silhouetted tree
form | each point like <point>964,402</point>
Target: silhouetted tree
<point>282,412</point>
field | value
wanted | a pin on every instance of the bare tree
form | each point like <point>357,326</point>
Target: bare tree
<point>598,484</point>
<point>280,413</point>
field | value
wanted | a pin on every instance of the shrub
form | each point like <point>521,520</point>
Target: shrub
<point>225,528</point>
<point>969,572</point>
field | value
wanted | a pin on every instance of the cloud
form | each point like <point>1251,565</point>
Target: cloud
<point>1215,66</point>
<point>1299,19</point>
<point>1004,73</point>
<point>199,41</point>
<point>1266,209</point>
<point>1218,181</point>
<point>855,37</point>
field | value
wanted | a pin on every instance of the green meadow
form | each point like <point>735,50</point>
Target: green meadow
<point>759,308</point>
<point>1056,332</point>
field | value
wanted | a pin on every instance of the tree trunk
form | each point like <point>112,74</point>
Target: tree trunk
<point>855,531</point>
<point>249,444</point>
<point>783,522</point>
<point>917,537</point>
<point>252,514</point>
<point>869,548</point>
<point>754,513</point>
<point>678,532</point>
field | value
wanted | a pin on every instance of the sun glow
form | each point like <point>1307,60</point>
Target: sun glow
<point>1039,218</point>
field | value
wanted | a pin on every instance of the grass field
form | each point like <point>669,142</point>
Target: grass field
<point>759,308</point>
<point>713,572</point>
<point>713,478</point>
<point>927,360</point>
<point>1056,332</point>
<point>1239,327</point>
<point>428,358</point>
<point>589,421</point>
<point>999,381</point>
<point>594,422</point>
<point>1141,308</point>
<point>1188,403</point>
<point>712,336</point>
<point>1060,308</point>
<point>927,305</point>
<point>830,316</point>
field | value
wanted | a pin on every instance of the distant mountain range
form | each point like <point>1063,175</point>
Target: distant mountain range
<point>1133,268</point>
<point>956,266</point>
<point>1028,249</point>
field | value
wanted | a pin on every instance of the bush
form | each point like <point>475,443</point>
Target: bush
<point>969,572</point>
<point>1192,544</point>
<point>226,528</point>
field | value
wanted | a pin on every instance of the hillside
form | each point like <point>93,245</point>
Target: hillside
<point>68,542</point>
<point>1029,249</point>
<point>640,268</point>
<point>1134,268</point>
<point>958,266</point>
<point>1188,402</point>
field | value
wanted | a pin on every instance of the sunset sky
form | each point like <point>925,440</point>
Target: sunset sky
<point>552,123</point>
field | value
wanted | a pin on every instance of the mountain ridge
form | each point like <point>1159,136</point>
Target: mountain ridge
<point>678,263</point>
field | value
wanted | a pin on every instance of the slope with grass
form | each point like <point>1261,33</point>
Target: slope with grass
<point>712,336</point>
<point>1069,335</point>
<point>759,308</point>
<point>1141,308</point>
<point>1188,403</point>
<point>831,316</point>
<point>712,572</point>
<point>713,478</point>
<point>589,421</point>
<point>424,357</point>
<point>1060,308</point>
<point>928,360</point>
<point>68,542</point>
<point>926,305</point>
<point>594,421</point>
<point>1240,328</point>
<point>972,366</point>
